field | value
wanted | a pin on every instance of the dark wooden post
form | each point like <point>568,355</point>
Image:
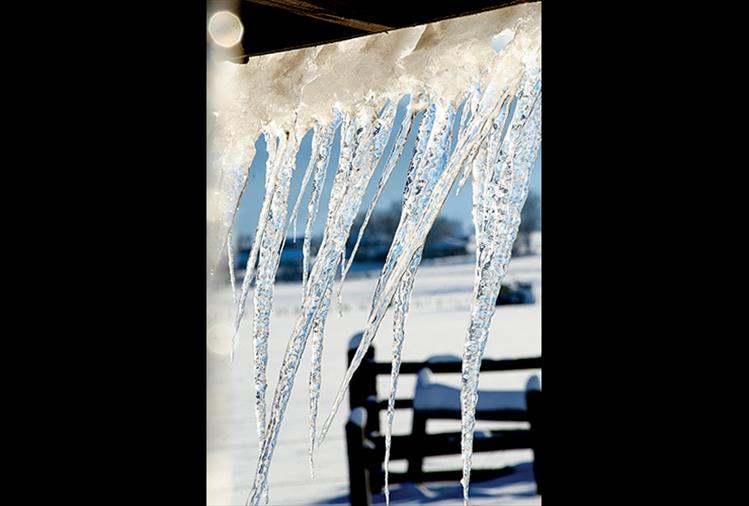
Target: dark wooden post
<point>363,385</point>
<point>418,435</point>
<point>357,469</point>
<point>535,417</point>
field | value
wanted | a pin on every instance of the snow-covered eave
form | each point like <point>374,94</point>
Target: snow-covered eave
<point>293,89</point>
<point>445,57</point>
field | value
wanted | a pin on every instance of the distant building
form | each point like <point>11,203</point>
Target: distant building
<point>531,246</point>
<point>289,266</point>
<point>446,246</point>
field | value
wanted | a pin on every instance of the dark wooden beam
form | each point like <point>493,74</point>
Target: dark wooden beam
<point>281,25</point>
<point>333,12</point>
<point>384,15</point>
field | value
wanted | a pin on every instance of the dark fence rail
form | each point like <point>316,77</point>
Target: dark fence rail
<point>516,364</point>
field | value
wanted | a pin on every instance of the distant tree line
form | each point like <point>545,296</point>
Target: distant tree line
<point>446,237</point>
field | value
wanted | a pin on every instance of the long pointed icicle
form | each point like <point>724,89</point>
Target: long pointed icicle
<point>357,162</point>
<point>234,173</point>
<point>383,127</point>
<point>380,135</point>
<point>502,186</point>
<point>315,150</point>
<point>315,377</point>
<point>318,180</point>
<point>466,147</point>
<point>274,146</point>
<point>468,112</point>
<point>400,305</point>
<point>316,141</point>
<point>421,201</point>
<point>395,154</point>
<point>270,252</point>
<point>230,262</point>
<point>424,167</point>
<point>421,146</point>
<point>316,291</point>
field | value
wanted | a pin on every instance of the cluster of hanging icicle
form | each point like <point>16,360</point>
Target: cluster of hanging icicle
<point>497,141</point>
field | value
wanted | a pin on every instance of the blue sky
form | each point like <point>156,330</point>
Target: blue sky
<point>457,207</point>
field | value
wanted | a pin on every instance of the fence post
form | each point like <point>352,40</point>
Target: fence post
<point>418,439</point>
<point>357,466</point>
<point>363,383</point>
<point>533,401</point>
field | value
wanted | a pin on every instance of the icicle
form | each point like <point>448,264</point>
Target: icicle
<point>316,141</point>
<point>273,143</point>
<point>393,158</point>
<point>232,277</point>
<point>426,190</point>
<point>232,280</point>
<point>469,111</point>
<point>318,180</point>
<point>499,195</point>
<point>307,173</point>
<point>383,128</point>
<point>421,146</point>
<point>232,181</point>
<point>424,167</point>
<point>268,261</point>
<point>400,305</point>
<point>339,299</point>
<point>356,164</point>
<point>499,123</point>
<point>315,377</point>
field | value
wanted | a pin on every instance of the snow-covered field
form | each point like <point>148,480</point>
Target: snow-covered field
<point>436,326</point>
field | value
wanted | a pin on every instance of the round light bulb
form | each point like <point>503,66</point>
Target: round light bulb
<point>225,28</point>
